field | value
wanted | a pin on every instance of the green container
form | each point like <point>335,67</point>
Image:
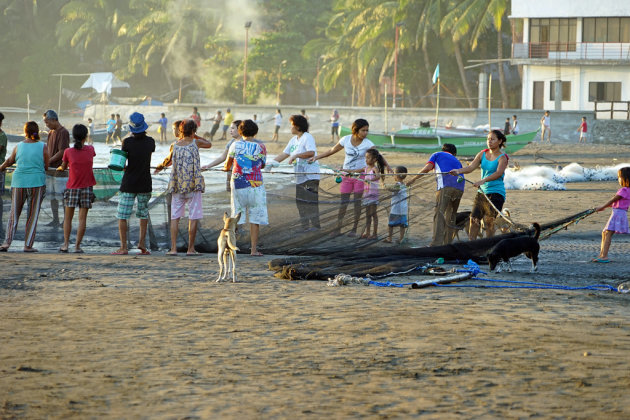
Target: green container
<point>117,160</point>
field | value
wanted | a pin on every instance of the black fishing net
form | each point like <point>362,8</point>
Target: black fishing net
<point>307,253</point>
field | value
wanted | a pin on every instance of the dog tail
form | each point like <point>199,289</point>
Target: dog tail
<point>230,244</point>
<point>537,229</point>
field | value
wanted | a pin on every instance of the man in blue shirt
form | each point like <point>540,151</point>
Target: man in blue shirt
<point>449,193</point>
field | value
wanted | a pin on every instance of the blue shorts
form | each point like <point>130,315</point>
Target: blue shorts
<point>125,205</point>
<point>398,220</point>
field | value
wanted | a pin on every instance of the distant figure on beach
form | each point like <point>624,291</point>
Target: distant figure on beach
<point>118,130</point>
<point>255,119</point>
<point>90,126</point>
<point>277,123</point>
<point>3,154</point>
<point>234,134</point>
<point>373,174</point>
<point>545,126</point>
<point>216,122</point>
<point>28,184</point>
<point>506,127</point>
<point>136,182</point>
<point>246,158</point>
<point>163,121</point>
<point>227,121</point>
<point>58,142</point>
<point>186,184</point>
<point>515,127</point>
<point>449,193</point>
<point>334,125</point>
<point>196,117</point>
<point>399,205</point>
<point>299,150</point>
<point>354,145</point>
<point>111,127</point>
<point>618,221</point>
<point>582,129</point>
<point>79,188</point>
<point>303,113</point>
<point>493,162</point>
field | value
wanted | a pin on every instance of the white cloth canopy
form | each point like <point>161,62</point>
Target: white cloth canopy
<point>104,82</point>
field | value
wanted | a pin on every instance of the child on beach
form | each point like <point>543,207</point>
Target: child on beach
<point>582,129</point>
<point>398,210</point>
<point>372,173</point>
<point>79,188</point>
<point>618,221</point>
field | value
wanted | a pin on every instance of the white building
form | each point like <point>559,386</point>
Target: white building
<point>585,44</point>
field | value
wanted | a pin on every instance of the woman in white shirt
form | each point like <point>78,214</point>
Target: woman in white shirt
<point>355,146</point>
<point>299,150</point>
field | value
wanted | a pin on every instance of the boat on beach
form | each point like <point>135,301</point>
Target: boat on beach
<point>427,140</point>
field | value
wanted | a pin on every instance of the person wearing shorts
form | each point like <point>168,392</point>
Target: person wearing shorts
<point>79,192</point>
<point>136,182</point>
<point>186,184</point>
<point>355,145</point>
<point>493,162</point>
<point>246,158</point>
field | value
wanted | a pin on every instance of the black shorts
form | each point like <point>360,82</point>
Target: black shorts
<point>334,130</point>
<point>482,208</point>
<point>277,129</point>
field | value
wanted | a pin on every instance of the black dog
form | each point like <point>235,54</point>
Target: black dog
<point>509,248</point>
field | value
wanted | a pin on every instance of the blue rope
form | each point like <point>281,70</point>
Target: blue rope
<point>473,267</point>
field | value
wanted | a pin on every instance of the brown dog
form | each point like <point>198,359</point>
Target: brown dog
<point>226,244</point>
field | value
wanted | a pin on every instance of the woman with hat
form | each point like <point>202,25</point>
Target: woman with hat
<point>136,182</point>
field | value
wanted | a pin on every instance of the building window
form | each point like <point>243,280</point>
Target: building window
<point>612,30</point>
<point>566,91</point>
<point>604,91</point>
<point>558,34</point>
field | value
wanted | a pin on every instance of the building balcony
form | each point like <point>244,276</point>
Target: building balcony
<point>571,53</point>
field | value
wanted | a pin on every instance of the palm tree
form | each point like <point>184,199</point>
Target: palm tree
<point>473,19</point>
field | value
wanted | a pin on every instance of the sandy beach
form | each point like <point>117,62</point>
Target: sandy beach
<point>101,336</point>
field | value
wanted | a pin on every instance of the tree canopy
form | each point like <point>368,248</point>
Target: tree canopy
<point>344,48</point>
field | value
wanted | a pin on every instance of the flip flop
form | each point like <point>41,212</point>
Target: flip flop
<point>119,252</point>
<point>193,254</point>
<point>4,249</point>
<point>600,260</point>
<point>78,251</point>
<point>257,254</point>
<point>30,250</point>
<point>144,251</point>
<point>65,251</point>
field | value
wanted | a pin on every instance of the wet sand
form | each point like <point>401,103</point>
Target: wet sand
<point>95,335</point>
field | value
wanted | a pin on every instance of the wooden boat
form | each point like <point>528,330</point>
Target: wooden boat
<point>425,140</point>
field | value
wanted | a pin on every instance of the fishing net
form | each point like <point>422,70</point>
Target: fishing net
<point>307,254</point>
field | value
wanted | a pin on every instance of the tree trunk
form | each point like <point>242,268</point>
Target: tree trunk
<point>504,92</point>
<point>462,73</point>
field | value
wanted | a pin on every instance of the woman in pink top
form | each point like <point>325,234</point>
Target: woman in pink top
<point>79,192</point>
<point>618,221</point>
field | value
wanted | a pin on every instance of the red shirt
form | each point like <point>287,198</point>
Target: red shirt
<point>80,163</point>
<point>583,127</point>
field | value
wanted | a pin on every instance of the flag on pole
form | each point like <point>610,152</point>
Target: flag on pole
<point>436,74</point>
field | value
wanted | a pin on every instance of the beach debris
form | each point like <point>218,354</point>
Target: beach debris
<point>346,279</point>
<point>624,287</point>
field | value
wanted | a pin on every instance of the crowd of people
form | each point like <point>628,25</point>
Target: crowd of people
<point>363,178</point>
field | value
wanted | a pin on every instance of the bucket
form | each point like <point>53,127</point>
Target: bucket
<point>117,159</point>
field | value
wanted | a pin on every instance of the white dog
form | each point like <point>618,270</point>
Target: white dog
<point>226,244</point>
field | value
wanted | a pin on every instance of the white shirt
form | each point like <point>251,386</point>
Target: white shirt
<point>515,128</point>
<point>547,120</point>
<point>278,118</point>
<point>298,145</point>
<point>399,200</point>
<point>355,155</point>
